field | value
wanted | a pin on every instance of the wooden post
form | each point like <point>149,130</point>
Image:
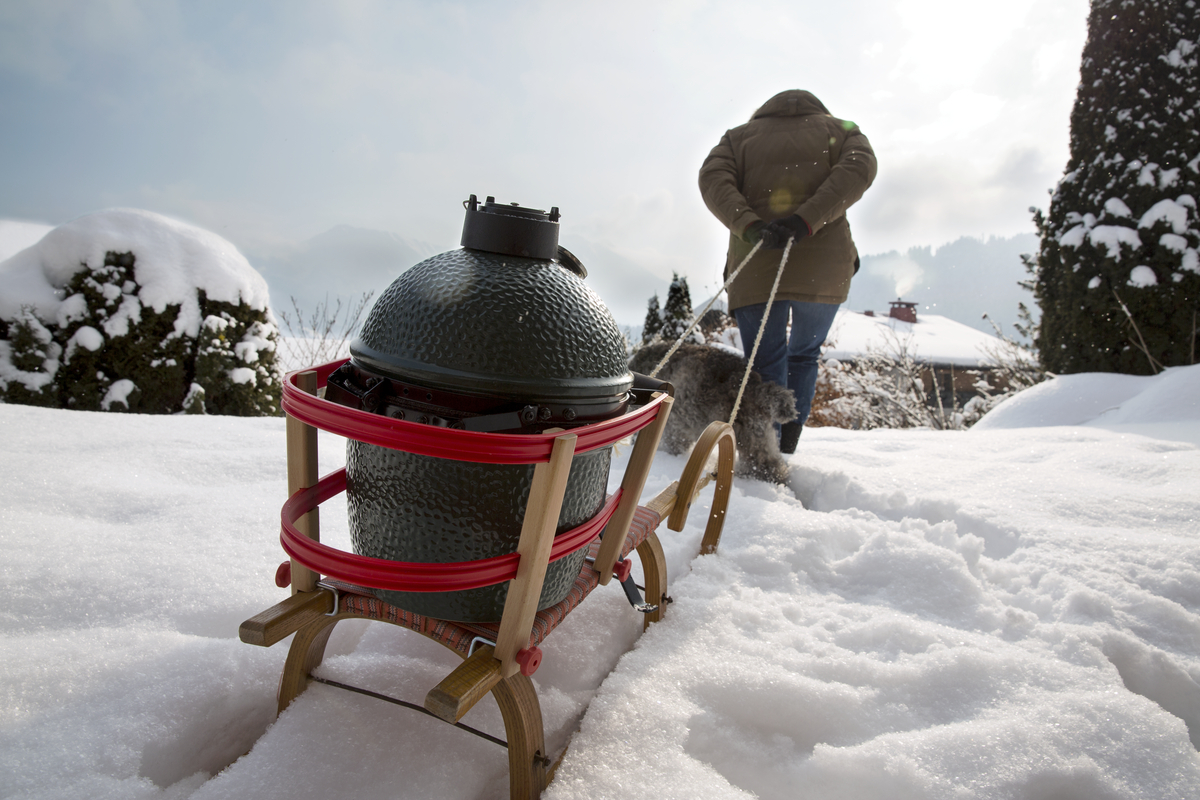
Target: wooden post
<point>302,473</point>
<point>537,538</point>
<point>631,491</point>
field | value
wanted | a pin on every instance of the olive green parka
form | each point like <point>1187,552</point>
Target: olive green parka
<point>792,157</point>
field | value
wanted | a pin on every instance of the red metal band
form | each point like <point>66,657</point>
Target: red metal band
<point>407,576</point>
<point>450,443</point>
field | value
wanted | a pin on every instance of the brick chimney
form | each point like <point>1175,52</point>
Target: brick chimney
<point>905,312</point>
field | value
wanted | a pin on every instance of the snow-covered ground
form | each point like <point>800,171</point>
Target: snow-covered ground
<point>1007,612</point>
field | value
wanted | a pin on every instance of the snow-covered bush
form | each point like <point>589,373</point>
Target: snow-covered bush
<point>882,388</point>
<point>888,387</point>
<point>126,310</point>
<point>1118,271</point>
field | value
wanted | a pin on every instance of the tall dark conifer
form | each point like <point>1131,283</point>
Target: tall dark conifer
<point>654,322</point>
<point>1118,271</point>
<point>677,313</point>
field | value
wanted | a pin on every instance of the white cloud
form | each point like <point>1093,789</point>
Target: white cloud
<point>280,120</point>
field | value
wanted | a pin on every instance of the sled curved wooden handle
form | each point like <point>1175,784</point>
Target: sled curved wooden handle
<point>716,435</point>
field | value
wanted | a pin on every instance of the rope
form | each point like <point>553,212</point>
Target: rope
<point>703,311</point>
<point>737,404</point>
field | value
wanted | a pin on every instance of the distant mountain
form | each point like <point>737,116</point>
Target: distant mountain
<point>346,261</point>
<point>961,280</point>
<point>624,286</point>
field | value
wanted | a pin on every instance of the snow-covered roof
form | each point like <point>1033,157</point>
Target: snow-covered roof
<point>174,259</point>
<point>932,338</point>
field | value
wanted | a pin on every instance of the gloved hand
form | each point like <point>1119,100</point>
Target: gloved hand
<point>776,234</point>
<point>753,231</point>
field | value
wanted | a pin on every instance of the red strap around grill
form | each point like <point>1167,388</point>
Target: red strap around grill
<point>408,576</point>
<point>457,445</point>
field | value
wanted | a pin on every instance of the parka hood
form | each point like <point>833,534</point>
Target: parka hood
<point>792,103</point>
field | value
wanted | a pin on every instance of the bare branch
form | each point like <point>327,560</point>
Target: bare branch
<point>1140,343</point>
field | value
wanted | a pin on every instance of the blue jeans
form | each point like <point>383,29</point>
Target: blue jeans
<point>788,361</point>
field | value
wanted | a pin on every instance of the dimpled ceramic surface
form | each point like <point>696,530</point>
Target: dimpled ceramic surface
<point>405,507</point>
<point>472,321</point>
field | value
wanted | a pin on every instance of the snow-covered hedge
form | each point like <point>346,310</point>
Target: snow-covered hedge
<point>126,310</point>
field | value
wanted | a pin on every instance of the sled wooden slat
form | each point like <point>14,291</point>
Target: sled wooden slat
<point>465,686</point>
<point>285,618</point>
<point>302,473</point>
<point>537,537</point>
<point>631,488</point>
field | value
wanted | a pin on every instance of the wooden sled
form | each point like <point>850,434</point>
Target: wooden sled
<point>497,658</point>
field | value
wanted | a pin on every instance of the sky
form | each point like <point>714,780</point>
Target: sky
<point>271,123</point>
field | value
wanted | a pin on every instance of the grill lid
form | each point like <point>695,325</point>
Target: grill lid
<point>479,321</point>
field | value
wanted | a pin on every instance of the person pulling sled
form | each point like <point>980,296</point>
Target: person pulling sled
<point>789,174</point>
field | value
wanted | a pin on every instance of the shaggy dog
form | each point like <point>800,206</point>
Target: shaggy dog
<point>706,381</point>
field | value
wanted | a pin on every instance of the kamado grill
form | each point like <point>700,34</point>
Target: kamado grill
<point>480,404</point>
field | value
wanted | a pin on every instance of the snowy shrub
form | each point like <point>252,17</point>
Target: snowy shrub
<point>29,361</point>
<point>881,388</point>
<point>888,387</point>
<point>129,311</point>
<point>1117,274</point>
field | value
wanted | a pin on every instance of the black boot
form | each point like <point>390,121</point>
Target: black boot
<point>789,435</point>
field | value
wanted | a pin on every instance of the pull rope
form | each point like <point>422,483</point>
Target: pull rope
<point>703,311</point>
<point>737,404</point>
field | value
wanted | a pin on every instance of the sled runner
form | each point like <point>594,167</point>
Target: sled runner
<point>329,585</point>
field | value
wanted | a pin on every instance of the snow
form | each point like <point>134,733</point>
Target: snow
<point>1166,405</point>
<point>174,259</point>
<point>1111,237</point>
<point>933,338</point>
<point>15,236</point>
<point>1174,212</point>
<point>1142,276</point>
<point>1007,612</point>
<point>1173,242</point>
<point>118,393</point>
<point>1116,206</point>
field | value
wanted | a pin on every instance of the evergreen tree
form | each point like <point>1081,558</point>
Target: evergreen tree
<point>654,321</point>
<point>677,313</point>
<point>1117,274</point>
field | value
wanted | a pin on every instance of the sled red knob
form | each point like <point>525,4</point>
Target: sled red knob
<point>529,659</point>
<point>283,575</point>
<point>622,569</point>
